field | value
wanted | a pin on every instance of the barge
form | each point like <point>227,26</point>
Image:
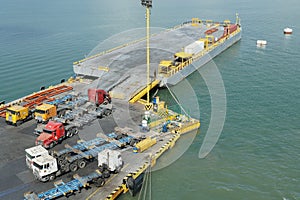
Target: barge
<point>121,73</point>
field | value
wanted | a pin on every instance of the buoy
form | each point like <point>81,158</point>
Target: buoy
<point>261,42</point>
<point>287,31</point>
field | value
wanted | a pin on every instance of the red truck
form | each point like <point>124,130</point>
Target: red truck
<point>98,96</point>
<point>54,132</point>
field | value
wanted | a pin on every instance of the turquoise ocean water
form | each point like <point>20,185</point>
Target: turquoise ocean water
<point>257,155</point>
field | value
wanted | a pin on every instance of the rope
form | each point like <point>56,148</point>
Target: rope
<point>177,101</point>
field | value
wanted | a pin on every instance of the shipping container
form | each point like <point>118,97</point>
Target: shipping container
<point>229,29</point>
<point>194,47</point>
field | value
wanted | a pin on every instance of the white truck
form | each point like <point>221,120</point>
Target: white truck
<point>110,160</point>
<point>46,167</point>
<point>34,152</point>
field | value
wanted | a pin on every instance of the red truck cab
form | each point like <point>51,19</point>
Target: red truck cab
<point>98,96</point>
<point>53,133</point>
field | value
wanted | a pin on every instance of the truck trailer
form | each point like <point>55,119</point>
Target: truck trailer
<point>48,167</point>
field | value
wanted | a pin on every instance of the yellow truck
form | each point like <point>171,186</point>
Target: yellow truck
<point>43,113</point>
<point>16,115</point>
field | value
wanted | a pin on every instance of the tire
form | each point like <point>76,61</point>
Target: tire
<point>107,112</point>
<point>72,131</point>
<point>119,137</point>
<point>81,164</point>
<point>69,133</point>
<point>51,145</point>
<point>73,167</point>
<point>18,123</point>
<point>99,182</point>
<point>60,140</point>
<point>65,167</point>
<point>46,179</point>
<point>61,113</point>
<point>132,142</point>
<point>101,169</point>
<point>106,174</point>
<point>51,177</point>
<point>60,160</point>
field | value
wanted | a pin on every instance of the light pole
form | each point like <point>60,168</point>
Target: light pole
<point>148,5</point>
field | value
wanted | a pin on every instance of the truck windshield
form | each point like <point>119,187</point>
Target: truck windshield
<point>29,156</point>
<point>11,111</point>
<point>37,166</point>
<point>40,111</point>
<point>47,131</point>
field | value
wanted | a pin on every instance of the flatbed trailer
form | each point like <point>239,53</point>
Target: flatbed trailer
<point>81,145</point>
<point>37,98</point>
<point>65,189</point>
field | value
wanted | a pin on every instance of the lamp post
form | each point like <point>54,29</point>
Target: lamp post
<point>148,5</point>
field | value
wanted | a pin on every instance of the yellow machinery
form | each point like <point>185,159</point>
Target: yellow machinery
<point>45,112</point>
<point>196,21</point>
<point>226,22</point>
<point>182,59</point>
<point>165,66</point>
<point>210,39</point>
<point>205,40</point>
<point>144,144</point>
<point>102,68</point>
<point>17,114</point>
<point>168,67</point>
<point>209,22</point>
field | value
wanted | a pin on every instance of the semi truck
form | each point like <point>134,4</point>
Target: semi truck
<point>47,167</point>
<point>34,152</point>
<point>107,160</point>
<point>16,115</point>
<point>54,132</point>
<point>110,160</point>
<point>43,113</point>
<point>98,96</point>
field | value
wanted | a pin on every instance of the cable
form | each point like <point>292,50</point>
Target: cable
<point>177,101</point>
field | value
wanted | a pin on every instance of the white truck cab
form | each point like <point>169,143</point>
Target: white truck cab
<point>34,152</point>
<point>111,158</point>
<point>44,168</point>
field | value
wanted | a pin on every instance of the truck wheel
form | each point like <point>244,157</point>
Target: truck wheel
<point>70,134</point>
<point>81,164</point>
<point>99,182</point>
<point>72,131</point>
<point>106,174</point>
<point>45,179</point>
<point>101,169</point>
<point>18,123</point>
<point>73,167</point>
<point>132,142</point>
<point>64,167</point>
<point>60,160</point>
<point>107,112</point>
<point>51,177</point>
<point>119,137</point>
<point>51,145</point>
